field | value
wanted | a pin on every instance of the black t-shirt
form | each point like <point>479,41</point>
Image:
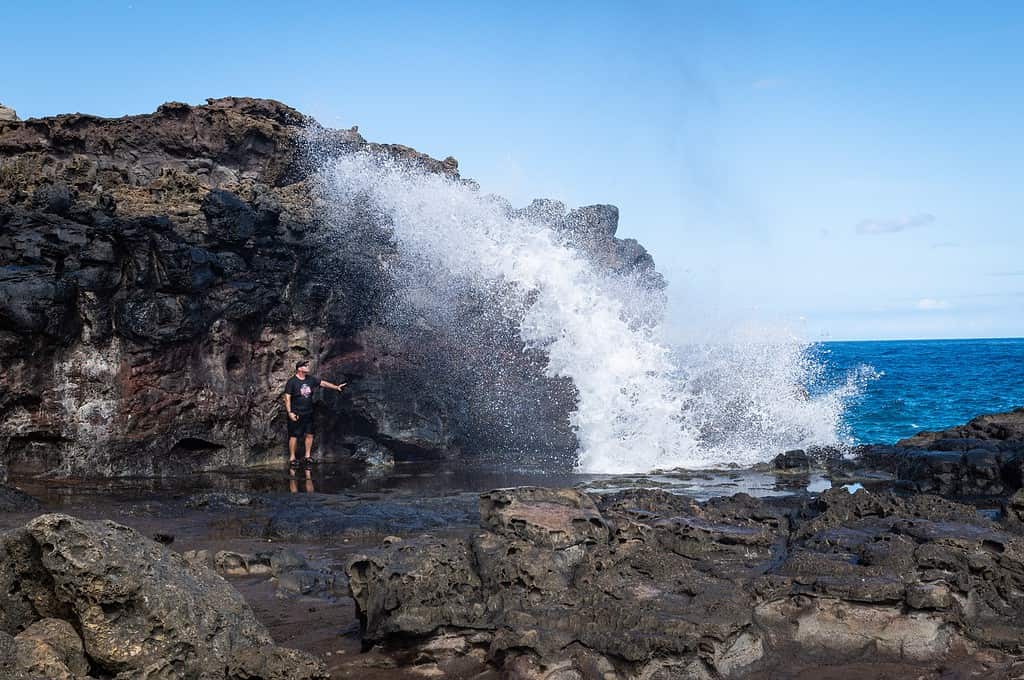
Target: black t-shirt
<point>302,393</point>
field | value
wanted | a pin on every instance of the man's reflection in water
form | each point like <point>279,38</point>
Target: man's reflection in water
<point>293,483</point>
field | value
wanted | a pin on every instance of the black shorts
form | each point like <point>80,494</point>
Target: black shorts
<point>302,426</point>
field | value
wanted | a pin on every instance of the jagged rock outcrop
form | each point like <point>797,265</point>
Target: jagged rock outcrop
<point>8,114</point>
<point>994,428</point>
<point>643,584</point>
<point>93,596</point>
<point>160,274</point>
<point>984,457</point>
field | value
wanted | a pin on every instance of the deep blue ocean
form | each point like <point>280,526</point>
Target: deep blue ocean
<point>925,384</point>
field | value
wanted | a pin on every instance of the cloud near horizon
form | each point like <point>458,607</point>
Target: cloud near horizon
<point>891,225</point>
<point>931,304</point>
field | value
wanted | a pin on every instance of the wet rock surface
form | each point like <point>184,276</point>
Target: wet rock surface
<point>324,518</point>
<point>641,584</point>
<point>15,500</point>
<point>984,457</point>
<point>433,574</point>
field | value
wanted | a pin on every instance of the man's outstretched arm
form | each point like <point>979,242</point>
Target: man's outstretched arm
<point>332,386</point>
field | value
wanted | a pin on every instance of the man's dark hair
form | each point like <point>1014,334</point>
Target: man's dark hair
<point>301,364</point>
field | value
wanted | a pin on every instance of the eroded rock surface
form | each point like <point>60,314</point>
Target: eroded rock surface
<point>641,584</point>
<point>984,457</point>
<point>97,597</point>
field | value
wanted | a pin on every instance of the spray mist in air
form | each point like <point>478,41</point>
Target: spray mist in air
<point>641,404</point>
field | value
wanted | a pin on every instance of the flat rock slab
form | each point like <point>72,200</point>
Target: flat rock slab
<point>553,518</point>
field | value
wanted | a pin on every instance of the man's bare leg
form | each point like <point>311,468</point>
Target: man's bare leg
<point>309,445</point>
<point>291,448</point>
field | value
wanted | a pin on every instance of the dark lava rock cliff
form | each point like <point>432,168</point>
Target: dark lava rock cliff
<point>160,275</point>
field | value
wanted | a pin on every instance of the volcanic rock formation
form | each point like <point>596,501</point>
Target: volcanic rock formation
<point>984,457</point>
<point>160,275</point>
<point>643,584</point>
<point>97,598</point>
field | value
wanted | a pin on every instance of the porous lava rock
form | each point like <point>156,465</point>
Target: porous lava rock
<point>642,585</point>
<point>96,596</point>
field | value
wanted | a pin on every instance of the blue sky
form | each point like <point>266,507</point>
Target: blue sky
<point>849,169</point>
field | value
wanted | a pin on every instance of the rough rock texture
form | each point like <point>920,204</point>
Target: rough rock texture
<point>8,114</point>
<point>141,610</point>
<point>998,427</point>
<point>643,584</point>
<point>160,275</point>
<point>985,457</point>
<point>52,648</point>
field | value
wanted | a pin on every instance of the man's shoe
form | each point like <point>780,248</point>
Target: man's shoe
<point>308,462</point>
<point>293,464</point>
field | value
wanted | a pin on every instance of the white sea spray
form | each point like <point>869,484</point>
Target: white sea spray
<point>642,404</point>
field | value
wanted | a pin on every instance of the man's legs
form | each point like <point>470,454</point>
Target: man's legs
<point>309,445</point>
<point>291,448</point>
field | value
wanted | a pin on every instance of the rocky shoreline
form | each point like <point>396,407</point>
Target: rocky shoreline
<point>875,576</point>
<point>159,275</point>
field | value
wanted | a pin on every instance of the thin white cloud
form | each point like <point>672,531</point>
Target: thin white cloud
<point>931,304</point>
<point>894,224</point>
<point>766,83</point>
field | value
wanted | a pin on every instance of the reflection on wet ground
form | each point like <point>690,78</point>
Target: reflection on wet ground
<point>307,481</point>
<point>419,479</point>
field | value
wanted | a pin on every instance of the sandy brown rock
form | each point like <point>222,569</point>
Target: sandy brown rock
<point>52,648</point>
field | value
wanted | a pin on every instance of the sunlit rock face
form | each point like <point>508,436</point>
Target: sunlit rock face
<point>161,274</point>
<point>643,584</point>
<point>97,598</point>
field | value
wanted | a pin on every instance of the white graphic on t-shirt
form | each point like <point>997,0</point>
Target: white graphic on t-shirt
<point>305,390</point>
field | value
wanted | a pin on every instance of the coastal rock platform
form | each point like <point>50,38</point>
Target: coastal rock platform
<point>642,584</point>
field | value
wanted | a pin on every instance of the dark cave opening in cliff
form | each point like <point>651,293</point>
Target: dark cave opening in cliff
<point>195,445</point>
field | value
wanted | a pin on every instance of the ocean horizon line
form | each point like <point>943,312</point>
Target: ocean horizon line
<point>961,339</point>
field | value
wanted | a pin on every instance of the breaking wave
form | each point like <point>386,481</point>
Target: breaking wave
<point>642,403</point>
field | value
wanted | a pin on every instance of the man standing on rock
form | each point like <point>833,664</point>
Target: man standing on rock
<point>298,404</point>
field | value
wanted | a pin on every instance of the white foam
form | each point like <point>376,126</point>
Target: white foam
<point>642,405</point>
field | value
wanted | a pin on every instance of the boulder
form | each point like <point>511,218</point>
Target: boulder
<point>143,611</point>
<point>16,500</point>
<point>792,461</point>
<point>51,648</point>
